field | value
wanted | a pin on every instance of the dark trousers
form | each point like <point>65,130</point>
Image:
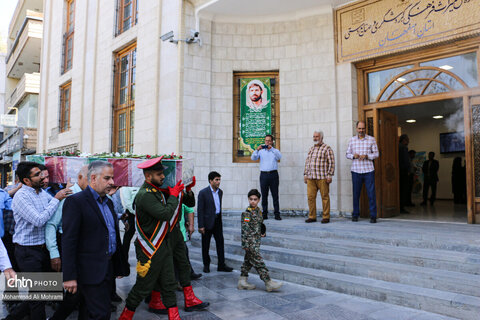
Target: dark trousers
<point>358,180</point>
<point>269,181</point>
<point>429,184</point>
<point>95,298</point>
<point>128,235</point>
<point>403,189</point>
<point>31,259</point>
<point>411,180</point>
<point>67,306</point>
<point>217,233</point>
<point>7,240</point>
<point>70,301</point>
<point>177,267</point>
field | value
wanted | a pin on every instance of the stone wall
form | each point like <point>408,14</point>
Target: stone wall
<point>314,95</point>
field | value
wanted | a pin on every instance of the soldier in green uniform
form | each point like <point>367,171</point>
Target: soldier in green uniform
<point>154,257</point>
<point>178,254</point>
<point>252,222</point>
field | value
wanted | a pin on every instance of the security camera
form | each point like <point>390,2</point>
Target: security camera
<point>167,36</point>
<point>194,33</point>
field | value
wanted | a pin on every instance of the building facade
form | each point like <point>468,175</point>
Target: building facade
<point>110,83</point>
<point>22,85</point>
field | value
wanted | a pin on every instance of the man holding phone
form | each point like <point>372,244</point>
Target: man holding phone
<point>269,157</point>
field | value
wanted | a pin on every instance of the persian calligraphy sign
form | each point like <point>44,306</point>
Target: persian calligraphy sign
<point>374,27</point>
<point>255,113</point>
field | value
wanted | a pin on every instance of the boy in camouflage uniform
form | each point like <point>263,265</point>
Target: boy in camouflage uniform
<point>252,222</point>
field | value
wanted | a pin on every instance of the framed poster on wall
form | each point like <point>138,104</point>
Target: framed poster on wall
<point>256,112</point>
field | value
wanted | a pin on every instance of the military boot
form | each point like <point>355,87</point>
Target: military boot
<point>173,314</point>
<point>127,314</point>
<point>244,285</point>
<point>192,303</point>
<point>271,285</point>
<point>156,304</point>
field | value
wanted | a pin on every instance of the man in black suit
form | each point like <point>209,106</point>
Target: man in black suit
<point>91,247</point>
<point>430,178</point>
<point>210,221</point>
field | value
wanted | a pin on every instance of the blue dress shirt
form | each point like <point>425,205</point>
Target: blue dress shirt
<point>107,215</point>
<point>216,199</point>
<point>268,158</point>
<point>31,211</point>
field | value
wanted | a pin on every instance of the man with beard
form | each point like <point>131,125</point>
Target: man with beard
<point>362,150</point>
<point>32,208</point>
<point>255,91</point>
<point>91,249</point>
<point>319,170</point>
<point>158,245</point>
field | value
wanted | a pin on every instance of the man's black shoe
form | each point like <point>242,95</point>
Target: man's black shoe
<point>225,268</point>
<point>265,216</point>
<point>195,276</point>
<point>116,298</point>
<point>402,210</point>
<point>310,220</point>
<point>373,220</point>
<point>355,219</point>
<point>277,217</point>
<point>206,269</point>
<point>423,203</point>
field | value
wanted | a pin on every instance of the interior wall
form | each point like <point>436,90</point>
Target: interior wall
<point>425,136</point>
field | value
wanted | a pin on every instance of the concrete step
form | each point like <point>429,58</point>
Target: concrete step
<point>392,272</point>
<point>432,300</point>
<point>441,236</point>
<point>437,259</point>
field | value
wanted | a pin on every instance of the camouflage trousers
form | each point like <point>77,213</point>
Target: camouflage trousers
<point>254,259</point>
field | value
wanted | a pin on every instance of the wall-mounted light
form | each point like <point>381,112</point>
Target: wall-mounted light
<point>401,79</point>
<point>446,67</point>
<point>438,117</point>
<point>411,121</point>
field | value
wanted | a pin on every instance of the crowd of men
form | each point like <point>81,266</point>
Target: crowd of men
<point>74,228</point>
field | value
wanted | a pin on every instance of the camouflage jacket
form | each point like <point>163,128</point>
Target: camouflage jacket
<point>251,228</point>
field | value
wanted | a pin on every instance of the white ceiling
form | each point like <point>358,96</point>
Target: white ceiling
<point>260,10</point>
<point>425,111</point>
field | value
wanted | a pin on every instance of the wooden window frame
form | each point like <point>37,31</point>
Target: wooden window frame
<point>128,107</point>
<point>121,18</point>
<point>275,97</point>
<point>68,35</point>
<point>65,112</point>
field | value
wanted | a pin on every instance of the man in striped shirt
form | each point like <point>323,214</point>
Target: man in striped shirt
<point>319,170</point>
<point>363,149</point>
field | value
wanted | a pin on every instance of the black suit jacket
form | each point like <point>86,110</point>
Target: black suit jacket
<point>206,208</point>
<point>431,176</point>
<point>85,241</point>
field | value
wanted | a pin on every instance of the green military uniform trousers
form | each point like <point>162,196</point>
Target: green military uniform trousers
<point>160,276</point>
<point>178,258</point>
<point>254,259</point>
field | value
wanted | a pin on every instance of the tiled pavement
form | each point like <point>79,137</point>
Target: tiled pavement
<point>292,302</point>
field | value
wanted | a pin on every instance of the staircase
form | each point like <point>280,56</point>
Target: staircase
<point>428,266</point>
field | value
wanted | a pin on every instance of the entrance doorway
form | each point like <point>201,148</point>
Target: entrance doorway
<point>418,85</point>
<point>436,127</point>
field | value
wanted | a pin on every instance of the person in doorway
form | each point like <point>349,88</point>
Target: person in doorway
<point>269,180</point>
<point>430,178</point>
<point>411,178</point>
<point>252,221</point>
<point>363,149</point>
<point>319,170</point>
<point>458,181</point>
<point>404,166</point>
<point>210,222</point>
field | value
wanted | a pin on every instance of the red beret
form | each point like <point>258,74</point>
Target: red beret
<point>149,163</point>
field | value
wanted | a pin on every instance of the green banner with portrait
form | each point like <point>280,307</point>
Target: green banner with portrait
<point>255,113</point>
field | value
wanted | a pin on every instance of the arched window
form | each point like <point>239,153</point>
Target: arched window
<point>420,81</point>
